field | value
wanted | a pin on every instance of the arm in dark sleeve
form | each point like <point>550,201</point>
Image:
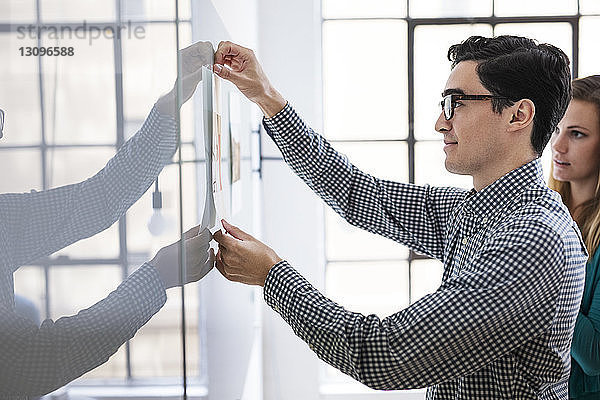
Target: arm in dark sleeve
<point>586,338</point>
<point>414,215</point>
<point>39,223</point>
<point>37,360</point>
<point>474,318</point>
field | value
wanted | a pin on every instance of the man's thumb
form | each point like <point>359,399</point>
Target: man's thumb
<point>225,72</point>
<point>235,231</point>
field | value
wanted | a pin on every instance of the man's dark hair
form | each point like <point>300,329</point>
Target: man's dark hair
<point>519,68</point>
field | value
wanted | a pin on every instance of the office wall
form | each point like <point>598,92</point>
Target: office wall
<point>286,38</point>
<point>289,49</point>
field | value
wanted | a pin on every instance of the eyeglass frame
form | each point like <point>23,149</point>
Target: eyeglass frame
<point>454,97</point>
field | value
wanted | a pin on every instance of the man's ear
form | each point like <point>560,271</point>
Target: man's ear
<point>520,115</point>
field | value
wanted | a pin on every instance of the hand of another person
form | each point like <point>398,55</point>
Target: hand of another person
<point>193,58</point>
<point>239,65</point>
<point>242,258</point>
<point>198,259</point>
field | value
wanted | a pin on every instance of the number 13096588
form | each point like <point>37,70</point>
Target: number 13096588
<point>46,51</point>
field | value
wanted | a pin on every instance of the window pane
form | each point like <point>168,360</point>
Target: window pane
<point>77,11</point>
<point>432,69</point>
<point>21,170</point>
<point>346,242</point>
<point>80,92</point>
<point>19,92</point>
<point>67,166</point>
<point>17,11</point>
<point>589,56</point>
<point>156,348</point>
<point>71,288</point>
<point>155,9</point>
<point>139,239</point>
<point>363,9</point>
<point>430,169</point>
<point>30,283</point>
<point>71,292</point>
<point>558,34</point>
<point>369,288</point>
<point>361,102</point>
<point>535,7</point>
<point>589,6</point>
<point>147,72</point>
<point>115,367</point>
<point>456,8</point>
<point>425,277</point>
<point>388,160</point>
<point>384,160</point>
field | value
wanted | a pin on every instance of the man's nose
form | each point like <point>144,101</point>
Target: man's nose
<point>441,125</point>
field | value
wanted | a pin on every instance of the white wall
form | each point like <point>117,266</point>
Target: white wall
<point>286,36</point>
<point>289,35</point>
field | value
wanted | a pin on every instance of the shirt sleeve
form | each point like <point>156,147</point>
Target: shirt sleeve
<point>36,224</point>
<point>472,319</point>
<point>586,338</point>
<point>37,360</point>
<point>412,215</point>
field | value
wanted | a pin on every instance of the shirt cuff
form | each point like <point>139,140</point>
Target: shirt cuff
<point>283,283</point>
<point>279,121</point>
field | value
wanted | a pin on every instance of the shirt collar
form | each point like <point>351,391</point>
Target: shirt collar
<point>504,190</point>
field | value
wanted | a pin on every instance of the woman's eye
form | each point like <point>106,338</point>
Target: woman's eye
<point>577,134</point>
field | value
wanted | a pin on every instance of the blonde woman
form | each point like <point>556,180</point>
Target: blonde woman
<point>574,174</point>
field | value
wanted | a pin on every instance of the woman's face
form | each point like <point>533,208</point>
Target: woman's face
<point>576,144</point>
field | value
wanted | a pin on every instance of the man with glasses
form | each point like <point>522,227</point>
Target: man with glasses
<point>36,360</point>
<point>500,324</point>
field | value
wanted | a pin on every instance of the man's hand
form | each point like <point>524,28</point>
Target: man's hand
<point>242,258</point>
<point>198,260</point>
<point>192,59</point>
<point>239,65</point>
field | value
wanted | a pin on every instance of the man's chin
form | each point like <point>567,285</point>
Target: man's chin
<point>455,168</point>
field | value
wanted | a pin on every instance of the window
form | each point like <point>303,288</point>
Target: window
<point>66,116</point>
<point>384,67</point>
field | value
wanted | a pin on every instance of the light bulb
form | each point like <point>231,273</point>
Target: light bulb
<point>157,224</point>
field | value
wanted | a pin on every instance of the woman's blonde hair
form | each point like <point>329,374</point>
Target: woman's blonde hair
<point>588,213</point>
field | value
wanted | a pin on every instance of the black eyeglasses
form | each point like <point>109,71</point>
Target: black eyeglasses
<point>1,123</point>
<point>448,102</point>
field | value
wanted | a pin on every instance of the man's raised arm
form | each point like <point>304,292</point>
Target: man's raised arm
<point>413,215</point>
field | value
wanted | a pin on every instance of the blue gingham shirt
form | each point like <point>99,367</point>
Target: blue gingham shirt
<point>38,359</point>
<point>499,326</point>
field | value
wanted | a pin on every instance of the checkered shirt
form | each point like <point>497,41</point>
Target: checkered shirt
<point>499,326</point>
<point>38,359</point>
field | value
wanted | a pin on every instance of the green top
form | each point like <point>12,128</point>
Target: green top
<point>585,350</point>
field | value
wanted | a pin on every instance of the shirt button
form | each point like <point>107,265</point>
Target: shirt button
<point>465,241</point>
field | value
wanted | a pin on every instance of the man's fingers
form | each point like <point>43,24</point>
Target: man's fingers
<point>227,49</point>
<point>225,72</point>
<point>235,231</point>
<point>221,267</point>
<point>224,240</point>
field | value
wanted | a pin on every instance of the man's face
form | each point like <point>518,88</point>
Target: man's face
<point>471,140</point>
